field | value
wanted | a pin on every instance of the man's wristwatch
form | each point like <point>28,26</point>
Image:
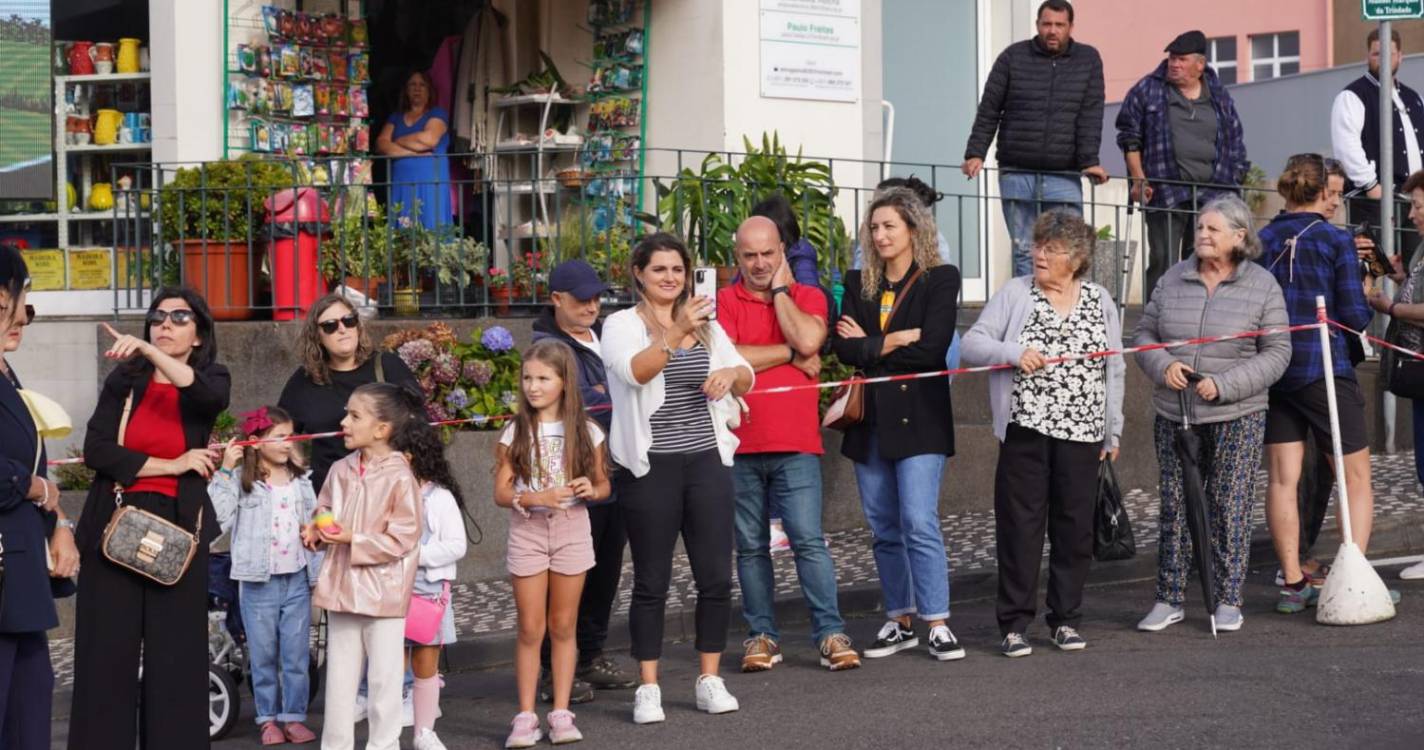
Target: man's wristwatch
<point>780,290</point>
<point>65,523</point>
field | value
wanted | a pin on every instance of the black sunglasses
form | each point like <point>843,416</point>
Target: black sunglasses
<point>29,313</point>
<point>179,317</point>
<point>330,326</point>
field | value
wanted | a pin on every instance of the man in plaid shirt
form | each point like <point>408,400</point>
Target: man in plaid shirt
<point>1180,135</point>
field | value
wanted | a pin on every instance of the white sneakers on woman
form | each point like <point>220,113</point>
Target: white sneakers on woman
<point>1413,572</point>
<point>1161,615</point>
<point>712,697</point>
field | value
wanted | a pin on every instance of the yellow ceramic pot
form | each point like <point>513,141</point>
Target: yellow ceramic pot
<point>101,197</point>
<point>106,126</point>
<point>127,60</point>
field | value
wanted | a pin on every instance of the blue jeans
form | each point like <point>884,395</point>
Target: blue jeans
<point>900,500</point>
<point>1025,196</point>
<point>1418,405</point>
<point>791,483</point>
<point>277,617</point>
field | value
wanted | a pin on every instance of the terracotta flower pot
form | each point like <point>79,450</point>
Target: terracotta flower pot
<point>501,296</point>
<point>222,273</point>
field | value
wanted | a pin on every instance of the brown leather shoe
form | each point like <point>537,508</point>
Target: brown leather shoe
<point>299,734</point>
<point>762,654</point>
<point>272,734</point>
<point>837,653</point>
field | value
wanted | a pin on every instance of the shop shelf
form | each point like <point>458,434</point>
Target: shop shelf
<point>521,99</point>
<point>110,78</point>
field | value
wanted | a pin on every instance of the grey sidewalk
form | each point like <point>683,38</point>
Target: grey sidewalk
<point>485,613</point>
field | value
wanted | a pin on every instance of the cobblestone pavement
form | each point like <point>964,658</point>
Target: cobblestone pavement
<point>488,607</point>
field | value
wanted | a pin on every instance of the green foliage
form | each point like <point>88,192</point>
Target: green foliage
<point>462,379</point>
<point>607,251</point>
<point>1255,189</point>
<point>221,200</point>
<point>73,476</point>
<point>224,428</point>
<point>707,205</point>
<point>357,246</point>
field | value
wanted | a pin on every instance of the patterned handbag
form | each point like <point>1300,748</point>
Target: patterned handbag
<point>146,544</point>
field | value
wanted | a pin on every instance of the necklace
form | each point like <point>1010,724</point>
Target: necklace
<point>651,318</point>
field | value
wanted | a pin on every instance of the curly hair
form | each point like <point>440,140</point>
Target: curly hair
<point>312,352</point>
<point>924,237</point>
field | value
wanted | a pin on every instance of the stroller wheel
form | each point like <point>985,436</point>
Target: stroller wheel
<point>224,702</point>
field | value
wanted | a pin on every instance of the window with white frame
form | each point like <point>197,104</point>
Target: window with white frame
<point>1275,55</point>
<point>1221,54</point>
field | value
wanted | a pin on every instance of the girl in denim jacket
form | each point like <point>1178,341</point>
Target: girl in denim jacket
<point>263,497</point>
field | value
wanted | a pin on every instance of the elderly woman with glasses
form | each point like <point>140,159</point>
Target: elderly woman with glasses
<point>337,358</point>
<point>1055,423</point>
<point>148,442</point>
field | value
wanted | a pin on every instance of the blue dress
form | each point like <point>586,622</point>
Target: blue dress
<point>420,185</point>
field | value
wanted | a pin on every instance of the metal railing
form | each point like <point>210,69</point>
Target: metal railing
<point>205,225</point>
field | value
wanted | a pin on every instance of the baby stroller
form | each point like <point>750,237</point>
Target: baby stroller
<point>227,649</point>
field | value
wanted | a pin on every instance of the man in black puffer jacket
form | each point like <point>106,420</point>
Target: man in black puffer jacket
<point>1044,98</point>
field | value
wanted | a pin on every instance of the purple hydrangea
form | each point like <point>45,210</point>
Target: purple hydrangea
<point>416,352</point>
<point>436,412</point>
<point>445,369</point>
<point>509,398</point>
<point>427,385</point>
<point>457,399</point>
<point>497,339</point>
<point>479,372</point>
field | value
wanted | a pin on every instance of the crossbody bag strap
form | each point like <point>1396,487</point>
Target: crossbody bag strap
<point>124,418</point>
<point>380,370</point>
<point>901,296</point>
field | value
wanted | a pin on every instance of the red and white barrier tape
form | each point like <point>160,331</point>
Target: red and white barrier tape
<point>1376,340</point>
<point>482,419</point>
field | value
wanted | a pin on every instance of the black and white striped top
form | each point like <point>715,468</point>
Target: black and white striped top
<point>683,424</point>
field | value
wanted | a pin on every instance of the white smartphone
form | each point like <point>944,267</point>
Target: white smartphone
<point>704,284</point>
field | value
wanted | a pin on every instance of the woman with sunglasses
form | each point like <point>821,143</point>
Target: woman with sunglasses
<point>29,518</point>
<point>148,439</point>
<point>337,358</point>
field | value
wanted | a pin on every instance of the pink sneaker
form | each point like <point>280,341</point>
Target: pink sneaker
<point>524,730</point>
<point>562,729</point>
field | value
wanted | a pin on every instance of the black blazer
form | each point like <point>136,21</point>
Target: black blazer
<point>199,403</point>
<point>909,417</point>
<point>27,605</point>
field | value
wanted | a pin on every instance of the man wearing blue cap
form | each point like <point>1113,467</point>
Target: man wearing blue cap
<point>572,317</point>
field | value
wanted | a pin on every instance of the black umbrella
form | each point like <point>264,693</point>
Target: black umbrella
<point>1188,445</point>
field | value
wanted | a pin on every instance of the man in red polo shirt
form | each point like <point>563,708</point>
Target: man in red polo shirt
<point>779,326</point>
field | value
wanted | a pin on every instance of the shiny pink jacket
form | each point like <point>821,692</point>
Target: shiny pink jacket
<point>373,575</point>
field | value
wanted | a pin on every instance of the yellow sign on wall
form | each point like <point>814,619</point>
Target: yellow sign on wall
<point>46,269</point>
<point>90,269</point>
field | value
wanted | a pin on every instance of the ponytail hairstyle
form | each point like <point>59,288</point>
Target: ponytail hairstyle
<point>579,454</point>
<point>400,407</point>
<point>1302,182</point>
<point>252,471</point>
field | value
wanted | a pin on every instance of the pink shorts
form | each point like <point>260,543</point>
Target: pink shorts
<point>557,540</point>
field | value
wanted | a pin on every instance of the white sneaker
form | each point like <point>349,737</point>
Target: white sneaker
<point>1413,572</point>
<point>712,695</point>
<point>1160,616</point>
<point>407,710</point>
<point>360,708</point>
<point>648,705</point>
<point>427,740</point>
<point>779,541</point>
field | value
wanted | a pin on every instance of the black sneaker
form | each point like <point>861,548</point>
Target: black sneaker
<point>603,674</point>
<point>892,638</point>
<point>1067,639</point>
<point>943,645</point>
<point>1015,645</point>
<point>582,691</point>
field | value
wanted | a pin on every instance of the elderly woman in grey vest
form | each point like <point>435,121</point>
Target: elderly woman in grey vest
<point>1214,292</point>
<point>1055,423</point>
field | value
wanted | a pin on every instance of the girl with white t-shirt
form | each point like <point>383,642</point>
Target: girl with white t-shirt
<point>550,461</point>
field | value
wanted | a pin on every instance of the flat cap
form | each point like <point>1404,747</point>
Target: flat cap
<point>1188,43</point>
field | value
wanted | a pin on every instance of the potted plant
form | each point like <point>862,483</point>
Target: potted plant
<point>476,380</point>
<point>209,215</point>
<point>498,284</point>
<point>357,253</point>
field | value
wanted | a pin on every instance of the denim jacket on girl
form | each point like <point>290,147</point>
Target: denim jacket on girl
<point>248,515</point>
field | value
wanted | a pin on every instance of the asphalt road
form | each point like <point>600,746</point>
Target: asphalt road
<point>1280,681</point>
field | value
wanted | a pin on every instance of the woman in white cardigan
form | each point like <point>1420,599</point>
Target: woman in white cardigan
<point>674,377</point>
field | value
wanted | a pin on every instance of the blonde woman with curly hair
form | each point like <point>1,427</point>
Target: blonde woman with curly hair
<point>898,317</point>
<point>1055,424</point>
<point>337,358</point>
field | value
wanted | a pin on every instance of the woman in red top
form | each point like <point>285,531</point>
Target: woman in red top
<point>149,438</point>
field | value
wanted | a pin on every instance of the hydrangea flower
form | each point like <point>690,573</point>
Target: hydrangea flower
<point>478,371</point>
<point>497,339</point>
<point>457,399</point>
<point>416,353</point>
<point>509,398</point>
<point>445,369</point>
<point>436,412</point>
<point>427,385</point>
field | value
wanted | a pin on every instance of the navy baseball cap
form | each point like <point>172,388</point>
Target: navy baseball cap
<point>577,278</point>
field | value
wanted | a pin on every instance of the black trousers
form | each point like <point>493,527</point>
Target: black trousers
<point>26,690</point>
<point>690,495</point>
<point>1043,481</point>
<point>600,585</point>
<point>1170,233</point>
<point>118,614</point>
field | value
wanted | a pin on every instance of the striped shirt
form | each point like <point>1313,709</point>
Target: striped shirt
<point>683,424</point>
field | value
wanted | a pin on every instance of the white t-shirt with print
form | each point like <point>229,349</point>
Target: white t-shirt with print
<point>550,472</point>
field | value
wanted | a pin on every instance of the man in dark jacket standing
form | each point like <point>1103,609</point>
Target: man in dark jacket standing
<point>572,317</point>
<point>1179,134</point>
<point>1044,99</point>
